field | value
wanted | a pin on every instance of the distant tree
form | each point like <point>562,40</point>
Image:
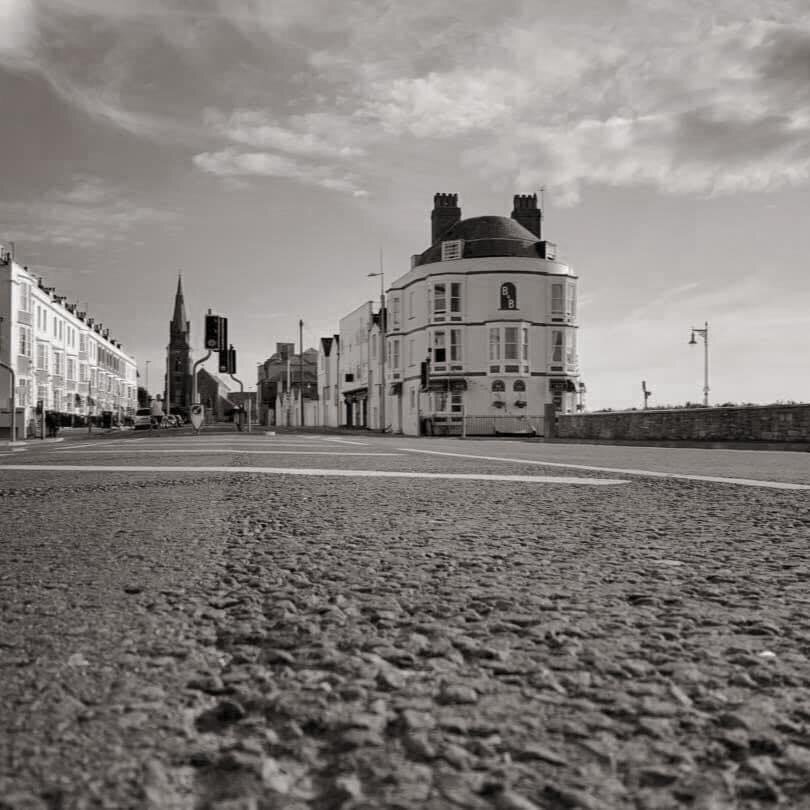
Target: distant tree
<point>143,397</point>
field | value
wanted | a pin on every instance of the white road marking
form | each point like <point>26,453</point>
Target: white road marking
<point>714,479</point>
<point>340,441</point>
<point>75,446</point>
<point>527,479</point>
<point>212,450</point>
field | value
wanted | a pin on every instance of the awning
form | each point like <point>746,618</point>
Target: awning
<point>447,384</point>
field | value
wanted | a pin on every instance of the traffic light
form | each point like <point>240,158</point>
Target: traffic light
<point>216,333</point>
<point>227,361</point>
<point>424,373</point>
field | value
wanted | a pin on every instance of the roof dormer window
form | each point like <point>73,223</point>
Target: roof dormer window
<point>452,250</point>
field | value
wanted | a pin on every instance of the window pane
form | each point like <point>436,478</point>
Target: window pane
<point>494,343</point>
<point>557,298</point>
<point>498,385</point>
<point>455,345</point>
<point>525,341</point>
<point>455,297</point>
<point>439,350</point>
<point>510,343</point>
<point>440,298</point>
<point>556,346</point>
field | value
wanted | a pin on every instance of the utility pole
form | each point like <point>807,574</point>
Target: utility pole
<point>301,366</point>
<point>704,333</point>
<point>383,330</point>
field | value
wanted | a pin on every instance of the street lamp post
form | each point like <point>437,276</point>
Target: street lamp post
<point>383,347</point>
<point>704,333</point>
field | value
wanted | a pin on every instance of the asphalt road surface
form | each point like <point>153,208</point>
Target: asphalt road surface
<point>250,622</point>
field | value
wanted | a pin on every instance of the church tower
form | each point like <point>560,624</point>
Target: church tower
<point>179,357</point>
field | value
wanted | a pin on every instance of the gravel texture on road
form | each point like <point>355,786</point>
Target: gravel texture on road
<point>235,643</point>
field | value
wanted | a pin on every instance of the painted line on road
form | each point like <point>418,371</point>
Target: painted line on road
<point>340,441</point>
<point>527,479</point>
<point>212,450</point>
<point>75,446</point>
<point>714,479</point>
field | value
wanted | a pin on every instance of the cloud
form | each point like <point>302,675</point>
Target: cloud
<point>312,135</point>
<point>87,214</point>
<point>687,98</point>
<point>232,162</point>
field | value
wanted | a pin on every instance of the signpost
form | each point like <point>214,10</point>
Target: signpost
<point>197,414</point>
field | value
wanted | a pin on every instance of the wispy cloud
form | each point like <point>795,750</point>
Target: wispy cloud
<point>87,214</point>
<point>232,162</point>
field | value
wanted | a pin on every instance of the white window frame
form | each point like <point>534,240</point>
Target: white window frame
<point>25,297</point>
<point>452,250</point>
<point>395,311</point>
<point>524,341</point>
<point>456,347</point>
<point>455,298</point>
<point>25,347</point>
<point>411,294</point>
<point>42,357</point>
<point>513,354</point>
<point>557,346</point>
<point>494,344</point>
<point>439,299</point>
<point>395,353</point>
<point>558,298</point>
<point>570,300</point>
<point>439,344</point>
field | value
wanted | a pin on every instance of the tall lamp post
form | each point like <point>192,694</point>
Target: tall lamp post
<point>704,333</point>
<point>383,325</point>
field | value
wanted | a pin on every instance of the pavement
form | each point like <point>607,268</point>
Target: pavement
<point>250,622</point>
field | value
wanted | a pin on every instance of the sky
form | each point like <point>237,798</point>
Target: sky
<point>269,150</point>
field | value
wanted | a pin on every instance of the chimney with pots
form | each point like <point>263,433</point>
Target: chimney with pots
<point>445,214</point>
<point>527,213</point>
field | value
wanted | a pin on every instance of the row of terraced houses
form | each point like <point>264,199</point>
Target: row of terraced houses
<point>64,361</point>
<point>488,308</point>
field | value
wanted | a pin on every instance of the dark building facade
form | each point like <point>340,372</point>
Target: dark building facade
<point>179,357</point>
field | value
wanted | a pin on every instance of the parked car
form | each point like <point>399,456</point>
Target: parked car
<point>174,420</point>
<point>143,418</point>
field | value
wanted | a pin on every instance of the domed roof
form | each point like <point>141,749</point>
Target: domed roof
<point>487,236</point>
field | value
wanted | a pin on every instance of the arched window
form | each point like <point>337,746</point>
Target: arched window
<point>519,385</point>
<point>508,296</point>
<point>498,385</point>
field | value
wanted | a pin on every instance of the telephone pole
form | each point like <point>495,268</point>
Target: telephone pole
<point>301,366</point>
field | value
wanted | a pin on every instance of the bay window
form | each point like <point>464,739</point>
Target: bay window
<point>439,299</point>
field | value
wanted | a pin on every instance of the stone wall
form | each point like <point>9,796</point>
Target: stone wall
<point>767,423</point>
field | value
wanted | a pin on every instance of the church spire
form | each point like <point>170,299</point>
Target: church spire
<point>179,319</point>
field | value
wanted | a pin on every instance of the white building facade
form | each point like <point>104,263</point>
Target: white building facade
<point>61,357</point>
<point>493,310</point>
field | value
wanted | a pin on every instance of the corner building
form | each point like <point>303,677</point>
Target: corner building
<point>494,311</point>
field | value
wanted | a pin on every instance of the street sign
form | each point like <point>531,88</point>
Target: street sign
<point>197,415</point>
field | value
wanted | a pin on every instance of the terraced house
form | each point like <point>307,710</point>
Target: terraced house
<point>62,357</point>
<point>493,310</point>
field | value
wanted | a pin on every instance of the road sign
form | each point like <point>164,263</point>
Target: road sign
<point>197,415</point>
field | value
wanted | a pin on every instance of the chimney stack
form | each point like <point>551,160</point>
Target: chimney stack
<point>527,213</point>
<point>445,214</point>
